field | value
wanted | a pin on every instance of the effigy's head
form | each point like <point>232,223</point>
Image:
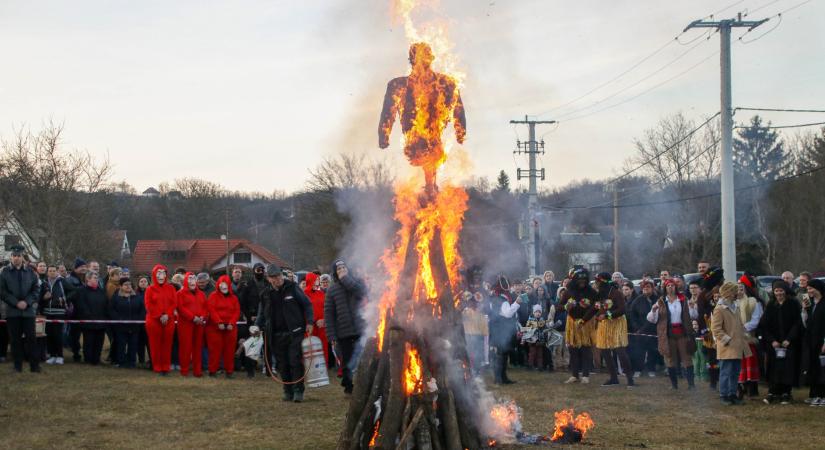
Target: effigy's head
<point>421,54</point>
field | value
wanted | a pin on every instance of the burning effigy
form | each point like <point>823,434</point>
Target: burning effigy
<point>414,387</point>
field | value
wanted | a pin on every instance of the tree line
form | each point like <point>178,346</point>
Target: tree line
<point>668,207</point>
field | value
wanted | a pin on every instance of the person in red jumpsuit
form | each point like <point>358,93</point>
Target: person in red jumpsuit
<point>160,319</point>
<point>192,317</point>
<point>316,297</point>
<point>221,330</point>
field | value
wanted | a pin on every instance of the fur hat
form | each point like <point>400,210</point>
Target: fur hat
<point>729,290</point>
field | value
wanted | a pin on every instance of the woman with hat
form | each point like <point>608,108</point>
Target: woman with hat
<point>731,345</point>
<point>781,327</point>
<point>814,319</point>
<point>750,309</point>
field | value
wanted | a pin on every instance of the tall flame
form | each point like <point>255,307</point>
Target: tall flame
<point>413,373</point>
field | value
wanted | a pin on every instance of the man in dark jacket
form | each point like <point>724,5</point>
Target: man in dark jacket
<point>342,315</point>
<point>19,290</point>
<point>286,316</point>
<point>643,339</point>
<point>249,293</point>
<point>73,284</point>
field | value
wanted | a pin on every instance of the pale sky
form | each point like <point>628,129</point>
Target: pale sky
<point>252,94</point>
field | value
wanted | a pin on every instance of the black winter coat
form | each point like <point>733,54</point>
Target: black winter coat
<point>91,304</point>
<point>342,308</point>
<point>782,323</point>
<point>637,316</point>
<point>127,308</point>
<point>16,285</point>
<point>295,307</point>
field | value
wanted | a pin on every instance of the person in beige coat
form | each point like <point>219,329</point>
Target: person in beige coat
<point>731,343</point>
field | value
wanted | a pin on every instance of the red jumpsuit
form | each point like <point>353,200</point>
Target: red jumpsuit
<point>159,300</point>
<point>317,300</point>
<point>223,309</point>
<point>191,304</point>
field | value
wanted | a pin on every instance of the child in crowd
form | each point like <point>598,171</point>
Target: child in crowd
<point>250,350</point>
<point>534,337</point>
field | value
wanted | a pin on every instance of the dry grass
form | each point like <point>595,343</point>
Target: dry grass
<point>101,407</point>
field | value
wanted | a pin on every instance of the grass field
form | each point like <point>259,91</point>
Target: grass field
<point>101,407</point>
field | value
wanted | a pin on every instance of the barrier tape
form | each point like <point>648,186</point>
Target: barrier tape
<point>240,322</point>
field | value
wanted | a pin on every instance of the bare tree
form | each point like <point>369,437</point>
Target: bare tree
<point>53,191</point>
<point>673,156</point>
<point>350,171</point>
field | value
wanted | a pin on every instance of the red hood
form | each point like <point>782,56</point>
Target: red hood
<point>185,284</point>
<point>155,274</point>
<point>228,281</point>
<point>311,278</point>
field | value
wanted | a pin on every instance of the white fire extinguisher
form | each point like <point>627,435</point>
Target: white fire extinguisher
<point>314,363</point>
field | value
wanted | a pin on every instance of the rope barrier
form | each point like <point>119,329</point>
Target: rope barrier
<point>240,322</point>
<point>272,372</point>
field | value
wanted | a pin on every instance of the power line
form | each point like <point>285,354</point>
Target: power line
<point>781,110</point>
<point>660,153</point>
<point>778,15</point>
<point>699,197</point>
<point>640,188</point>
<point>647,77</point>
<point>788,126</point>
<point>654,87</point>
<point>630,69</point>
<point>758,8</point>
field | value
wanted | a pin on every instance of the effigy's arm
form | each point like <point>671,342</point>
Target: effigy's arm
<point>388,113</point>
<point>459,121</point>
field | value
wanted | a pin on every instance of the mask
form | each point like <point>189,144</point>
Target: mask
<point>161,276</point>
<point>193,283</point>
<point>224,288</point>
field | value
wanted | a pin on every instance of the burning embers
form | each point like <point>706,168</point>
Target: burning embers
<point>569,429</point>
<point>506,427</point>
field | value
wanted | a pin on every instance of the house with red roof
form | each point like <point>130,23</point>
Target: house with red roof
<point>196,255</point>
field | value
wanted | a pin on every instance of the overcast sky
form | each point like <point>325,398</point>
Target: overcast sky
<point>252,94</point>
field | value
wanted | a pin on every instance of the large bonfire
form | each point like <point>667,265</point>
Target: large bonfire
<point>413,387</point>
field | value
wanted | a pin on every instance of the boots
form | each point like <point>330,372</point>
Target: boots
<point>690,377</point>
<point>674,380</point>
<point>753,388</point>
<point>713,373</point>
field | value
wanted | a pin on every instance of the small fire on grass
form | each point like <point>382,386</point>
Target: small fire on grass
<point>570,429</point>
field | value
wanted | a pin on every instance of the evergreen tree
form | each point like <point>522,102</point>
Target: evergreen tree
<point>758,152</point>
<point>502,182</point>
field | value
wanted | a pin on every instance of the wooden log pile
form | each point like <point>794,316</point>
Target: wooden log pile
<point>440,412</point>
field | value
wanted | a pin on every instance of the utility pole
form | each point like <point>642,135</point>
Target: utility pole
<point>531,148</point>
<point>727,189</point>
<point>226,211</point>
<point>612,188</point>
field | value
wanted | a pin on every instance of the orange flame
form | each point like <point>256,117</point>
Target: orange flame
<point>375,433</point>
<point>506,418</point>
<point>565,420</point>
<point>413,374</point>
<point>424,102</point>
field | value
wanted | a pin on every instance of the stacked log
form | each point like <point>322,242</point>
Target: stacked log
<point>440,415</point>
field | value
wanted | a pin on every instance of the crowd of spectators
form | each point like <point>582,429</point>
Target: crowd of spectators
<point>729,334</point>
